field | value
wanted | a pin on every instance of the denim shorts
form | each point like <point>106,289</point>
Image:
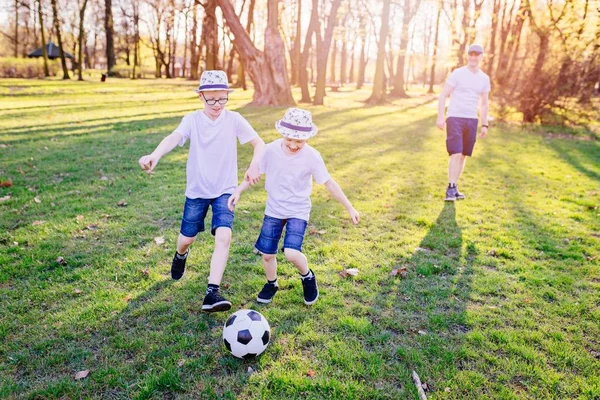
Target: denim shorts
<point>195,211</point>
<point>271,230</point>
<point>461,134</point>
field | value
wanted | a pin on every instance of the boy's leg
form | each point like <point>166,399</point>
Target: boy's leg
<point>194,212</point>
<point>292,248</point>
<point>266,244</point>
<point>220,255</point>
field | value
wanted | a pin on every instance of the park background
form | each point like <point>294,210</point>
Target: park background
<point>497,296</point>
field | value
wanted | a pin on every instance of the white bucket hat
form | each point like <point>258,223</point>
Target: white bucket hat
<point>211,81</point>
<point>296,124</point>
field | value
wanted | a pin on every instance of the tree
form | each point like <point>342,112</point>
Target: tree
<point>313,26</point>
<point>266,69</point>
<point>80,41</point>
<point>323,45</point>
<point>109,31</point>
<point>435,48</point>
<point>378,96</point>
<point>44,52</point>
<point>63,60</point>
<point>210,35</point>
<point>409,10</point>
<point>296,52</point>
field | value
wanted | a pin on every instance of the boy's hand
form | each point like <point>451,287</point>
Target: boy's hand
<point>233,200</point>
<point>354,215</point>
<point>252,175</point>
<point>148,163</point>
<point>440,123</point>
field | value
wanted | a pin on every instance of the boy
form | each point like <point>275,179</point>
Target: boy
<point>290,164</point>
<point>211,176</point>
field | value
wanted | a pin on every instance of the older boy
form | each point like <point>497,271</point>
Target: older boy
<point>290,165</point>
<point>211,176</point>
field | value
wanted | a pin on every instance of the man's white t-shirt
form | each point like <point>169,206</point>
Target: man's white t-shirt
<point>289,180</point>
<point>468,86</point>
<point>212,160</point>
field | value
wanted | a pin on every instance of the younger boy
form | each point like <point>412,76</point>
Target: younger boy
<point>290,164</point>
<point>211,176</point>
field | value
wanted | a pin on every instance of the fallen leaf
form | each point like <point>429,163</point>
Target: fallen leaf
<point>3,146</point>
<point>310,373</point>
<point>146,272</point>
<point>61,261</point>
<point>104,178</point>
<point>92,227</point>
<point>399,271</point>
<point>127,298</point>
<point>122,203</point>
<point>7,183</point>
<point>36,223</point>
<point>225,285</point>
<point>422,249</point>
<point>180,363</point>
<point>77,291</point>
<point>79,218</point>
<point>424,386</point>
<point>250,370</point>
<point>447,390</point>
<point>82,374</point>
<point>348,272</point>
<point>5,198</point>
<point>423,333</point>
<point>37,199</point>
<point>322,232</point>
<point>246,212</point>
<point>159,240</point>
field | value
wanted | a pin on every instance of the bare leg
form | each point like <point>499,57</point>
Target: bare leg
<point>298,259</point>
<point>184,242</point>
<point>220,255</point>
<point>270,265</point>
<point>456,165</point>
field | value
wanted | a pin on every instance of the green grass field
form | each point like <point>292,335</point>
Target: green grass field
<point>501,299</point>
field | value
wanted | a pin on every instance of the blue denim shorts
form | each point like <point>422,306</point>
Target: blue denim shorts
<point>461,134</point>
<point>195,211</point>
<point>271,230</point>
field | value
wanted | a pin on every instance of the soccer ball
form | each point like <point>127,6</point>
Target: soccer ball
<point>246,333</point>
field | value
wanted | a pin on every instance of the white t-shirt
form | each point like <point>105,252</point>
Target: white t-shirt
<point>212,160</point>
<point>468,86</point>
<point>289,180</point>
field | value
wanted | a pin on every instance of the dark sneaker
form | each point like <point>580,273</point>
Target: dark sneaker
<point>267,293</point>
<point>213,302</point>
<point>311,291</point>
<point>459,195</point>
<point>178,265</point>
<point>450,194</point>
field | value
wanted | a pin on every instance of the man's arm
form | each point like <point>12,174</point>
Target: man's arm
<point>484,109</point>
<point>148,162</point>
<point>252,174</point>
<point>337,193</point>
<point>446,91</point>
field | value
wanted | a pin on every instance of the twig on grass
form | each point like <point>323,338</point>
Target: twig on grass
<point>417,381</point>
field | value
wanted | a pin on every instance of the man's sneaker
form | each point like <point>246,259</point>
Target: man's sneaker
<point>451,193</point>
<point>459,195</point>
<point>178,265</point>
<point>311,291</point>
<point>213,301</point>
<point>267,293</point>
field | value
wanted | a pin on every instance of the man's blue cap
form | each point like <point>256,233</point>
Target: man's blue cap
<point>475,48</point>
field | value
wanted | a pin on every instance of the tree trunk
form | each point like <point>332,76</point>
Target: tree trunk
<point>194,59</point>
<point>63,60</point>
<point>435,47</point>
<point>81,36</point>
<point>296,51</point>
<point>210,35</point>
<point>266,69</point>
<point>109,31</point>
<point>42,34</point>
<point>303,64</point>
<point>16,28</point>
<point>136,38</point>
<point>333,57</point>
<point>242,69</point>
<point>362,61</point>
<point>322,52</point>
<point>492,53</point>
<point>398,83</point>
<point>344,60</point>
<point>378,96</point>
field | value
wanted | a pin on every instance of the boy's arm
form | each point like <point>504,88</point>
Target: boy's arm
<point>337,193</point>
<point>484,113</point>
<point>446,91</point>
<point>235,197</point>
<point>252,174</point>
<point>148,162</point>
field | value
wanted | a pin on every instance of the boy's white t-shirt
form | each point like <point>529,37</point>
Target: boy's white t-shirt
<point>289,180</point>
<point>212,160</point>
<point>468,86</point>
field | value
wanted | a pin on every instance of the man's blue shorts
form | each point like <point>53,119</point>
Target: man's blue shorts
<point>271,231</point>
<point>461,134</point>
<point>195,211</point>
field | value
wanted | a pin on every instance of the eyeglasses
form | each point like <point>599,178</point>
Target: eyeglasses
<point>473,54</point>
<point>212,102</point>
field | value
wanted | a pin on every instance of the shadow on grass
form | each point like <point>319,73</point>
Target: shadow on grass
<point>583,156</point>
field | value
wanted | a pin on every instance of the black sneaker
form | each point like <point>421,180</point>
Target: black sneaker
<point>451,193</point>
<point>311,291</point>
<point>267,293</point>
<point>459,195</point>
<point>213,301</point>
<point>178,265</point>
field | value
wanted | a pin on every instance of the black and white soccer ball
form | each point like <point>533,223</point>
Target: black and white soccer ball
<point>246,333</point>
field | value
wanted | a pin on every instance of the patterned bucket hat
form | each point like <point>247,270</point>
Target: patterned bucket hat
<point>296,124</point>
<point>211,81</point>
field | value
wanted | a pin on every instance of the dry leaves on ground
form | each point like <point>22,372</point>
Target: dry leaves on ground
<point>348,272</point>
<point>82,375</point>
<point>159,240</point>
<point>399,272</point>
<point>310,373</point>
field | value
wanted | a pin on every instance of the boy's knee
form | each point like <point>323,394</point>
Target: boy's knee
<point>291,255</point>
<point>185,240</point>
<point>268,257</point>
<point>223,236</point>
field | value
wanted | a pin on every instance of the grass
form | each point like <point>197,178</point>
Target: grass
<point>501,298</point>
